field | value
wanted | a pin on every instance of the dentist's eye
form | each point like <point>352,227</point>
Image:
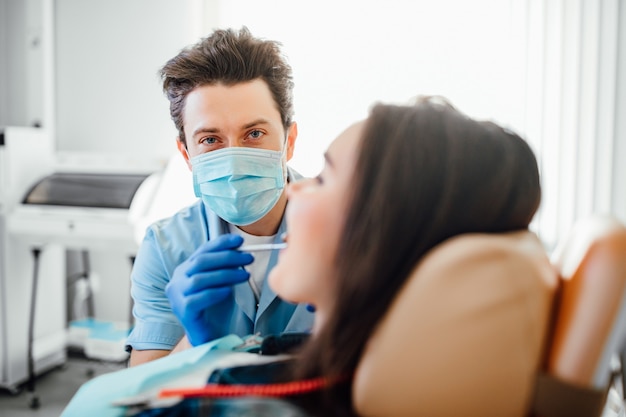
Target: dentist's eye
<point>256,134</point>
<point>209,141</point>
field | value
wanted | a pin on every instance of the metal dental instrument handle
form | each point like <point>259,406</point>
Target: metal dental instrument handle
<point>263,246</point>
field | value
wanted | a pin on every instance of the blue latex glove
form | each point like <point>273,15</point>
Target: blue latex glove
<point>205,279</point>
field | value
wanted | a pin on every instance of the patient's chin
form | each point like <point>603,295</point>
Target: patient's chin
<point>275,281</point>
<point>281,284</point>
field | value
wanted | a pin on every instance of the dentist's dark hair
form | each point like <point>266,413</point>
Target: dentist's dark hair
<point>228,57</point>
<point>424,173</point>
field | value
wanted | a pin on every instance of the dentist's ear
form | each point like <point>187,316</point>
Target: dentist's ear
<point>292,135</point>
<point>182,148</point>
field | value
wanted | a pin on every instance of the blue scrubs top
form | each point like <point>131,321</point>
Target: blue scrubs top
<point>171,241</point>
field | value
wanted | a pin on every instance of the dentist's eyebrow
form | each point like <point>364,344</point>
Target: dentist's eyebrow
<point>255,123</point>
<point>203,130</point>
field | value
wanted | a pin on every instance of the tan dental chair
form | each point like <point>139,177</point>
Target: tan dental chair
<point>590,321</point>
<point>466,334</point>
<point>488,326</point>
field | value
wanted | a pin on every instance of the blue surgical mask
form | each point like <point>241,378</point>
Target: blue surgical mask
<point>240,185</point>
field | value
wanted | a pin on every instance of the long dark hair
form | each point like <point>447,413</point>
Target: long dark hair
<point>424,173</point>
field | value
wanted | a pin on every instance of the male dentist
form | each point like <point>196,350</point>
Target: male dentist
<point>231,101</point>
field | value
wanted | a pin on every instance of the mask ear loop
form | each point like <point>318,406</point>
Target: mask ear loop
<point>282,158</point>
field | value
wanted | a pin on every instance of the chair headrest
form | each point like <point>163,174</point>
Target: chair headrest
<point>466,333</point>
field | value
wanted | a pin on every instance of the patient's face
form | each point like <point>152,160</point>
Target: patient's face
<point>315,218</point>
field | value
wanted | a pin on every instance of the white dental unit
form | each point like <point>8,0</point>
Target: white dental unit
<point>97,172</point>
<point>15,265</point>
<point>51,211</point>
<point>54,208</point>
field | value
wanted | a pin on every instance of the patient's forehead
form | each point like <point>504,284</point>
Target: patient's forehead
<point>343,150</point>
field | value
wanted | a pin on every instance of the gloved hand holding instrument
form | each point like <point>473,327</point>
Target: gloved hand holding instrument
<point>205,279</point>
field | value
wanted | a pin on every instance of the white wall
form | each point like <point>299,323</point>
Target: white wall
<point>21,74</point>
<point>109,106</point>
<point>553,70</point>
<point>498,59</point>
<point>348,54</point>
<point>575,107</point>
<point>107,56</point>
<point>619,167</point>
<point>4,62</point>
